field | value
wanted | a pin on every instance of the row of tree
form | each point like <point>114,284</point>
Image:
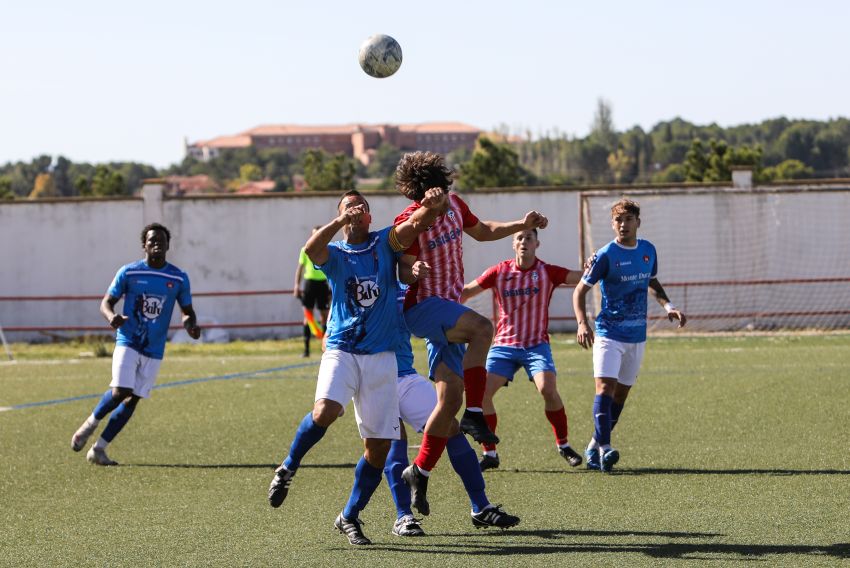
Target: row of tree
<point>672,151</point>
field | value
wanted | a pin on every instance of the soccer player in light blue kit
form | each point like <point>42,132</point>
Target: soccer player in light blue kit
<point>359,363</point>
<point>417,400</point>
<point>150,288</point>
<point>626,269</point>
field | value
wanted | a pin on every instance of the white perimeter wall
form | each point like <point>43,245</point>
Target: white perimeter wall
<point>226,244</point>
<point>249,243</point>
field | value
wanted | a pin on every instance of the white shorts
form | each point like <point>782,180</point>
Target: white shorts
<point>132,370</point>
<point>617,360</point>
<point>416,400</point>
<point>368,380</point>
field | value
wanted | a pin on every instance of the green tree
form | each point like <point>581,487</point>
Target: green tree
<point>250,172</point>
<point>671,174</point>
<point>788,169</point>
<point>107,182</point>
<point>602,129</point>
<point>696,161</point>
<point>323,172</point>
<point>491,165</point>
<point>384,161</point>
<point>6,188</point>
<point>620,165</point>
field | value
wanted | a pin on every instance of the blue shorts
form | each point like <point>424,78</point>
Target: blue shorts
<point>431,319</point>
<point>505,361</point>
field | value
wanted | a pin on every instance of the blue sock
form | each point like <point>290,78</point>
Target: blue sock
<point>366,480</point>
<point>465,463</point>
<point>117,421</point>
<point>307,435</point>
<point>616,409</point>
<point>396,462</point>
<point>602,419</point>
<point>106,405</point>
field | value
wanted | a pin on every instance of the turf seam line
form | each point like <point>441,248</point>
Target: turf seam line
<point>227,377</point>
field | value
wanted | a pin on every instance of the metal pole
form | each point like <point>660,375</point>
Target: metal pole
<point>6,345</point>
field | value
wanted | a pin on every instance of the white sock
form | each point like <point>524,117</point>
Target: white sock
<point>563,446</point>
<point>424,472</point>
<point>101,444</point>
<point>474,409</point>
<point>593,444</point>
<point>92,421</point>
<point>605,448</point>
<point>491,453</point>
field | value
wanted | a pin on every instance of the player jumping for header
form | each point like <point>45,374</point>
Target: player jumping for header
<point>433,311</point>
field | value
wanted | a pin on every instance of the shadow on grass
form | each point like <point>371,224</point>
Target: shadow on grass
<point>270,466</point>
<point>680,471</point>
<point>669,550</point>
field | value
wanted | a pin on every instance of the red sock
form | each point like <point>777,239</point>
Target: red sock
<point>474,383</point>
<point>558,420</point>
<point>430,451</point>
<point>491,420</point>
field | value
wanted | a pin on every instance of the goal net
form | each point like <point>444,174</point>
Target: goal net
<point>766,258</point>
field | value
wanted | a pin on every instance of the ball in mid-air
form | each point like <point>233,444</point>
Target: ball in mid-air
<point>380,56</point>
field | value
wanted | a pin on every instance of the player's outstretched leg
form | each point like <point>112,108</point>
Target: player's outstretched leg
<point>119,418</point>
<point>465,464</point>
<point>108,402</point>
<point>308,435</point>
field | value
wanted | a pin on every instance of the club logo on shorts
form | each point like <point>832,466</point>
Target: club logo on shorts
<point>367,293</point>
<point>152,306</point>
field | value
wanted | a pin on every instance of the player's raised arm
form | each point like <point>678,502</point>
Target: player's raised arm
<point>495,230</point>
<point>584,334</point>
<point>317,245</point>
<point>434,203</point>
<point>657,292</point>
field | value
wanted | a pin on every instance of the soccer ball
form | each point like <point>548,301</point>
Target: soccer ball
<point>380,56</point>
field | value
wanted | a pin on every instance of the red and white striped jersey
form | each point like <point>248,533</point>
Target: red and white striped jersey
<point>523,298</point>
<point>441,246</point>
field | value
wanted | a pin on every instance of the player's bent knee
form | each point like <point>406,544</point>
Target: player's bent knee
<point>376,451</point>
<point>325,412</point>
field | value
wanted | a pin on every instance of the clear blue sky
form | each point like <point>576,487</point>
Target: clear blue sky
<point>104,80</point>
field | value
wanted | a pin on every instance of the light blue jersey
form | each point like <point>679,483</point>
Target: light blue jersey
<point>364,311</point>
<point>404,351</point>
<point>149,296</point>
<point>624,275</point>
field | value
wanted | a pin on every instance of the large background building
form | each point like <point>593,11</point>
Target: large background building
<point>358,141</point>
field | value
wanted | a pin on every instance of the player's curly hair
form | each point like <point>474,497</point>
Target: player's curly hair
<point>626,205</point>
<point>156,227</point>
<point>418,172</point>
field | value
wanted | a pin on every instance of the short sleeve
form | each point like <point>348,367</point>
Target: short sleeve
<point>488,279</point>
<point>184,298</point>
<point>303,259</point>
<point>467,216</point>
<point>119,284</point>
<point>557,274</point>
<point>598,270</point>
<point>332,262</point>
